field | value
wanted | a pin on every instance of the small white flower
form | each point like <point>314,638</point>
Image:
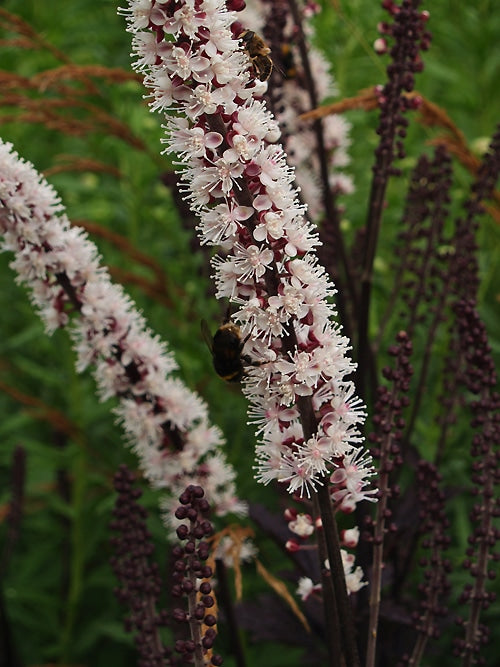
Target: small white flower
<point>220,177</point>
<point>193,142</point>
<point>350,537</point>
<point>185,19</point>
<point>352,477</point>
<point>301,478</point>
<point>252,262</point>
<point>139,13</point>
<point>186,64</point>
<point>302,525</point>
<point>290,303</point>
<point>220,223</point>
<point>146,47</point>
<point>302,368</point>
<point>306,588</point>
<point>203,100</point>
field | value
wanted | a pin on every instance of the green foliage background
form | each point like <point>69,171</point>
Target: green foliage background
<point>62,608</point>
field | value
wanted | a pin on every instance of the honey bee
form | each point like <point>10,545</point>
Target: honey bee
<point>258,52</point>
<point>226,347</point>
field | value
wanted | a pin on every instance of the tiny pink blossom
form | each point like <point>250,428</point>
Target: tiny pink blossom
<point>302,525</point>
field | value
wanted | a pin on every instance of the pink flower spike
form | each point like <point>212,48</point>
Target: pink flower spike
<point>166,424</point>
<point>266,263</point>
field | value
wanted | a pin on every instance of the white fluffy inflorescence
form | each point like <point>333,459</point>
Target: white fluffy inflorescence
<point>237,181</point>
<point>167,425</point>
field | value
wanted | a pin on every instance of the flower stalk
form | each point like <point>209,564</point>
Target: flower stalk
<point>234,175</point>
<point>137,573</point>
<point>166,424</point>
<point>409,36</point>
<point>387,435</point>
<point>332,221</point>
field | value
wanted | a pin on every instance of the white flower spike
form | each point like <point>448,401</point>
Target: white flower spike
<point>240,186</point>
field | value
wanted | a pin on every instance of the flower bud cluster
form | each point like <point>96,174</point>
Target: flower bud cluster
<point>389,425</point>
<point>422,261</point>
<point>465,265</point>
<point>434,525</point>
<point>140,582</point>
<point>480,378</point>
<point>192,578</point>
<point>167,425</point>
<point>235,177</point>
<point>476,372</point>
<point>410,36</point>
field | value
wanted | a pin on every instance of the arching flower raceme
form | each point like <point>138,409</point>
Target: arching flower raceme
<point>167,425</point>
<point>240,186</point>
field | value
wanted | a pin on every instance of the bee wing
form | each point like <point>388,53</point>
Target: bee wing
<point>207,336</point>
<point>280,70</point>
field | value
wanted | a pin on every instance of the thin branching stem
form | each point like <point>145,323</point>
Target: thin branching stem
<point>377,558</point>
<point>343,603</point>
<point>333,636</point>
<point>331,211</point>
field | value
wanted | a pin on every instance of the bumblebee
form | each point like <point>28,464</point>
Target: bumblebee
<point>288,62</point>
<point>226,347</point>
<point>258,52</point>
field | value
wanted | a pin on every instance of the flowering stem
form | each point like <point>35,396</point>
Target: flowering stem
<point>332,621</point>
<point>332,216</point>
<point>343,605</point>
<point>338,613</point>
<point>409,37</point>
<point>70,288</point>
<point>235,177</point>
<point>334,587</point>
<point>389,423</point>
<point>377,557</point>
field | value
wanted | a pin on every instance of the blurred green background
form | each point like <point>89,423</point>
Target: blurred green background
<point>62,608</point>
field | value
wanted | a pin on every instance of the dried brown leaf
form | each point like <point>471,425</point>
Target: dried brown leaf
<point>238,534</point>
<point>280,588</point>
<point>365,99</point>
